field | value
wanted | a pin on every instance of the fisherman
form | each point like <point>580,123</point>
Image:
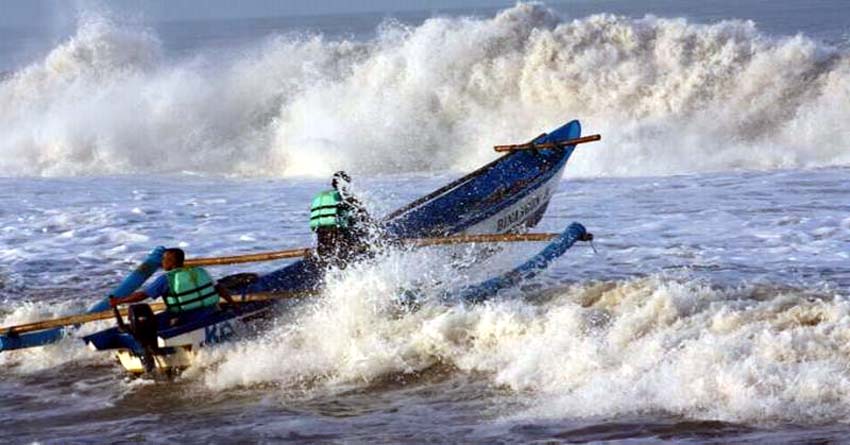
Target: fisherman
<point>186,290</point>
<point>341,223</point>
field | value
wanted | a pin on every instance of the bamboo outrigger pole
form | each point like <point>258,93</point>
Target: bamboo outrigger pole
<point>156,307</point>
<point>415,242</point>
<point>552,144</point>
<point>250,258</point>
<point>269,256</point>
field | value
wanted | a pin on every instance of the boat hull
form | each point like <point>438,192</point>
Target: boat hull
<point>509,194</point>
<point>506,195</point>
<point>171,362</point>
<point>177,346</point>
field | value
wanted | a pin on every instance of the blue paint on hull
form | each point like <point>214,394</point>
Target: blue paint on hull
<point>487,192</point>
<point>114,338</point>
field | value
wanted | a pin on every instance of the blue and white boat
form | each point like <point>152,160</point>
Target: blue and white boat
<point>509,194</point>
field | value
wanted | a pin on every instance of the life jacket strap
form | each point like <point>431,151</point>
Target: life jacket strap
<point>180,294</point>
<point>173,302</point>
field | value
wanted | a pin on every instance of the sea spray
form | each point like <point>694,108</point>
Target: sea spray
<point>69,350</point>
<point>758,355</point>
<point>357,331</point>
<point>670,96</point>
<point>645,345</point>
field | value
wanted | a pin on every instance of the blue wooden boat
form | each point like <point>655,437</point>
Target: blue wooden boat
<point>176,346</point>
<point>509,194</point>
<point>505,195</point>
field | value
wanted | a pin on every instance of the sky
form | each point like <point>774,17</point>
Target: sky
<point>27,13</point>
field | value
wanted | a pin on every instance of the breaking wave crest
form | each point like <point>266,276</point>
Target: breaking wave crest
<point>644,345</point>
<point>669,96</point>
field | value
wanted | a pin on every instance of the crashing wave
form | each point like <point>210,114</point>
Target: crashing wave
<point>670,97</point>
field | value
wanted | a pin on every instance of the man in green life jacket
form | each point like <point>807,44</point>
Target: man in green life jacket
<point>341,223</point>
<point>186,290</point>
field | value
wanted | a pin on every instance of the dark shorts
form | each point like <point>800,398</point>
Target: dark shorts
<point>338,246</point>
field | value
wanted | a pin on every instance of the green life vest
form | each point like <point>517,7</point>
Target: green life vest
<point>325,211</point>
<point>190,288</point>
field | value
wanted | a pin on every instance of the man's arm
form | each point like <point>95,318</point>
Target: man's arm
<point>223,293</point>
<point>158,288</point>
<point>357,209</point>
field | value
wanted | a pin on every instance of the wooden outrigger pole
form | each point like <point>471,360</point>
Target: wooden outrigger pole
<point>548,145</point>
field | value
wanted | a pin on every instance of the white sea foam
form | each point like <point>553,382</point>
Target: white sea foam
<point>68,350</point>
<point>603,349</point>
<point>669,96</point>
<point>356,332</point>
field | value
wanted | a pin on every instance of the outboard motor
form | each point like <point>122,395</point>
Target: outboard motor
<point>143,327</point>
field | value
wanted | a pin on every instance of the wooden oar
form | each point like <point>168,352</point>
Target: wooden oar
<point>236,259</point>
<point>156,307</point>
<point>416,242</point>
<point>545,145</point>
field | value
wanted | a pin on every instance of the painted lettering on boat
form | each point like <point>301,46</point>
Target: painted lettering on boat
<point>524,209</point>
<point>218,333</point>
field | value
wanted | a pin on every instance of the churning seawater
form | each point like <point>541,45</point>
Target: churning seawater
<point>717,305</point>
<point>715,311</point>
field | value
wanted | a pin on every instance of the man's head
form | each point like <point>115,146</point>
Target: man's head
<point>173,258</point>
<point>340,180</point>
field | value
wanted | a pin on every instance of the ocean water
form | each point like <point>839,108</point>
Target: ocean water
<point>716,309</point>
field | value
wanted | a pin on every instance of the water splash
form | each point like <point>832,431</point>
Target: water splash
<point>679,347</point>
<point>670,97</point>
